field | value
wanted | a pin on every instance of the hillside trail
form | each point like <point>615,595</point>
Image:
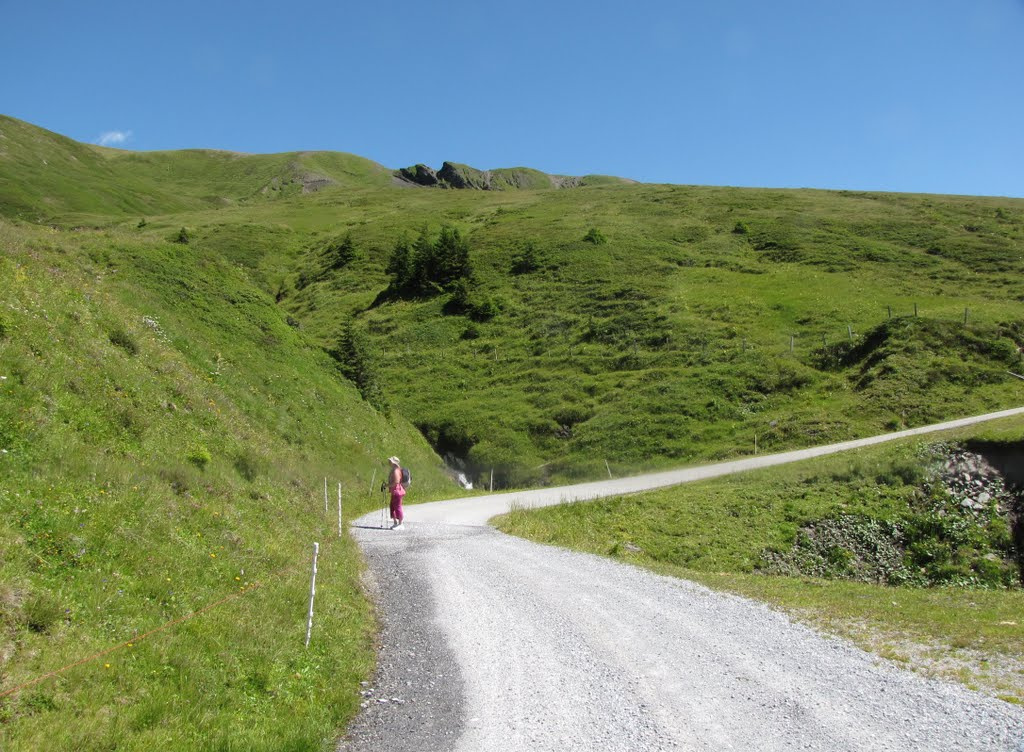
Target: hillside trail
<point>491,642</point>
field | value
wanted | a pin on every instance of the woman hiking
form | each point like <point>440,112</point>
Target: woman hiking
<point>397,491</point>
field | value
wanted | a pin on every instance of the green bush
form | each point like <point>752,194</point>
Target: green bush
<point>250,465</point>
<point>125,341</point>
<point>527,259</point>
<point>595,236</point>
<point>199,456</point>
<point>41,612</point>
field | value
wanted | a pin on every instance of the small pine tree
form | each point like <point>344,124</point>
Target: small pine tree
<point>399,266</point>
<point>452,255</point>
<point>338,252</point>
<point>351,353</point>
<point>527,259</point>
<point>595,236</point>
<point>183,237</point>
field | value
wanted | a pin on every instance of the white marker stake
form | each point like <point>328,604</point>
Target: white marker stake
<point>325,495</point>
<point>312,594</point>
<point>339,510</point>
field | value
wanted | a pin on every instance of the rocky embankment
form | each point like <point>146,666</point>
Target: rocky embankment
<point>964,525</point>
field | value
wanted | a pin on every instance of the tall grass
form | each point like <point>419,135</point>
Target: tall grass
<point>165,435</point>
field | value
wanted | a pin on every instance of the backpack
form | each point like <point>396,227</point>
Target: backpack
<point>406,478</point>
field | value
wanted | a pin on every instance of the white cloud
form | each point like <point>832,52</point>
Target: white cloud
<point>114,138</point>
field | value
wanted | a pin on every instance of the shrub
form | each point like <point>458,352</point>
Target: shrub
<point>527,259</point>
<point>178,478</point>
<point>351,352</point>
<point>40,612</point>
<point>595,236</point>
<point>337,252</point>
<point>125,341</point>
<point>182,237</point>
<point>199,456</point>
<point>249,465</point>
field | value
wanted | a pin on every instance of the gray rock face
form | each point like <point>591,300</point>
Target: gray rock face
<point>419,174</point>
<point>464,177</point>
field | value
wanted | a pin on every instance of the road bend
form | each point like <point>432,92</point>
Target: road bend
<point>493,643</point>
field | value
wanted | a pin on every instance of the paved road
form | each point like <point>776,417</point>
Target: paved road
<point>494,643</point>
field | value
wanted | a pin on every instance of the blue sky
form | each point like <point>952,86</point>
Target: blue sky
<point>895,95</point>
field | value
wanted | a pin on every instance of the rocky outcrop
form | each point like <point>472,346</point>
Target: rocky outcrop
<point>463,177</point>
<point>974,483</point>
<point>418,174</point>
<point>454,175</point>
<point>949,534</point>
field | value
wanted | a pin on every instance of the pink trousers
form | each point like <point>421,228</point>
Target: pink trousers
<point>396,503</point>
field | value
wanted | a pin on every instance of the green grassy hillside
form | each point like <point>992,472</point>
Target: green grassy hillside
<point>164,439</point>
<point>168,410</point>
<point>698,319</point>
<point>45,177</point>
<point>638,325</point>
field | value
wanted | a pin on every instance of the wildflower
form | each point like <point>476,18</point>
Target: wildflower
<point>213,556</point>
<point>106,665</point>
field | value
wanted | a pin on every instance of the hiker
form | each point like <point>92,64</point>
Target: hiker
<point>397,492</point>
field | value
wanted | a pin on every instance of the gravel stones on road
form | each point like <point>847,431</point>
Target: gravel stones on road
<point>494,643</point>
<point>416,693</point>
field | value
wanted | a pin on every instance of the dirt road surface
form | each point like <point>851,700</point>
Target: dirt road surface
<point>494,643</point>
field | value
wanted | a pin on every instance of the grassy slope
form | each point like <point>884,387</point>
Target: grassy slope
<point>670,343</point>
<point>667,344</point>
<point>165,436</point>
<point>715,532</point>
<point>45,177</point>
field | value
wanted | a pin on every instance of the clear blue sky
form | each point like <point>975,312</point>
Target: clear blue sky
<point>895,95</point>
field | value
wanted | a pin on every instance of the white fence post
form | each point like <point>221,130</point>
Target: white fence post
<point>312,594</point>
<point>339,510</point>
<point>325,495</point>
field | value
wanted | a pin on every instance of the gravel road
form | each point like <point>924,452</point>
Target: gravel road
<point>494,643</point>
